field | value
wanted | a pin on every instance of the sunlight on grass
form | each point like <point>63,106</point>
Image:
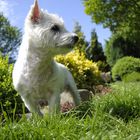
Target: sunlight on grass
<point>112,116</point>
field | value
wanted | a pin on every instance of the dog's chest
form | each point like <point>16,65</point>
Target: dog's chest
<point>37,78</point>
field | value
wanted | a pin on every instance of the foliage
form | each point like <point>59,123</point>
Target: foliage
<point>125,65</point>
<point>130,33</point>
<point>114,14</point>
<point>82,44</point>
<point>9,99</point>
<point>103,66</point>
<point>10,38</point>
<point>121,17</point>
<point>113,50</point>
<point>94,51</point>
<point>112,116</point>
<point>119,46</point>
<point>132,77</point>
<point>85,72</point>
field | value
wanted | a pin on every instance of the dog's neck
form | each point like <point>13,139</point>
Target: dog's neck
<point>38,58</point>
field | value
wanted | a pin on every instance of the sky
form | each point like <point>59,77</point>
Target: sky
<point>70,10</point>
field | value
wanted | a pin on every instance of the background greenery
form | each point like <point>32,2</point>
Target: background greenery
<point>116,115</point>
<point>10,38</point>
<point>125,66</point>
<point>10,101</point>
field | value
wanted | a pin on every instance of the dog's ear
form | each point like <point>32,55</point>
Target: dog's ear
<point>35,12</point>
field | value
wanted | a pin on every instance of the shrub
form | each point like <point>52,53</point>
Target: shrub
<point>132,77</point>
<point>120,46</point>
<point>85,72</point>
<point>10,101</point>
<point>124,66</point>
<point>103,66</point>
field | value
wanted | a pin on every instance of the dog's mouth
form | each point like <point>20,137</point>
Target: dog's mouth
<point>69,46</point>
<point>68,42</point>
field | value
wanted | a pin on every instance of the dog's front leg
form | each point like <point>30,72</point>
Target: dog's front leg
<point>54,103</point>
<point>32,105</point>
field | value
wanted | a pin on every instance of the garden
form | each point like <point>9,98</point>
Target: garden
<point>111,74</point>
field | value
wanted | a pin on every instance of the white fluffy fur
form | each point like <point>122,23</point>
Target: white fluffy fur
<point>36,76</point>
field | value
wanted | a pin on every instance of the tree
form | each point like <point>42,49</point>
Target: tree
<point>82,44</point>
<point>95,51</point>
<point>122,17</point>
<point>10,38</point>
<point>119,46</point>
<point>114,13</point>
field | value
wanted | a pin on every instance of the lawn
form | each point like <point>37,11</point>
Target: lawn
<point>114,116</point>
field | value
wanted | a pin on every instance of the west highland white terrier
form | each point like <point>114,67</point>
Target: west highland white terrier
<point>37,76</point>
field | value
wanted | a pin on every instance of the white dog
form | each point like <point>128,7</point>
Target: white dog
<point>36,76</point>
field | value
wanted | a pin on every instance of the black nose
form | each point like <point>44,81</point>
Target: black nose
<point>75,38</point>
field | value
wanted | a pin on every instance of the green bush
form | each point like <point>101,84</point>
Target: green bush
<point>120,46</point>
<point>103,66</point>
<point>124,66</point>
<point>132,77</point>
<point>85,72</point>
<point>10,102</point>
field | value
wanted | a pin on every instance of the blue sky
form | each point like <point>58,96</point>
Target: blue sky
<point>70,10</point>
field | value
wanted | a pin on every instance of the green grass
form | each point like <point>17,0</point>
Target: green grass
<point>115,116</point>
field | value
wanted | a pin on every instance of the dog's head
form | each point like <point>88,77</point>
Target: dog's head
<point>47,30</point>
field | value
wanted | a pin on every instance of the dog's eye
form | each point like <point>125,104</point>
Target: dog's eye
<point>55,28</point>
